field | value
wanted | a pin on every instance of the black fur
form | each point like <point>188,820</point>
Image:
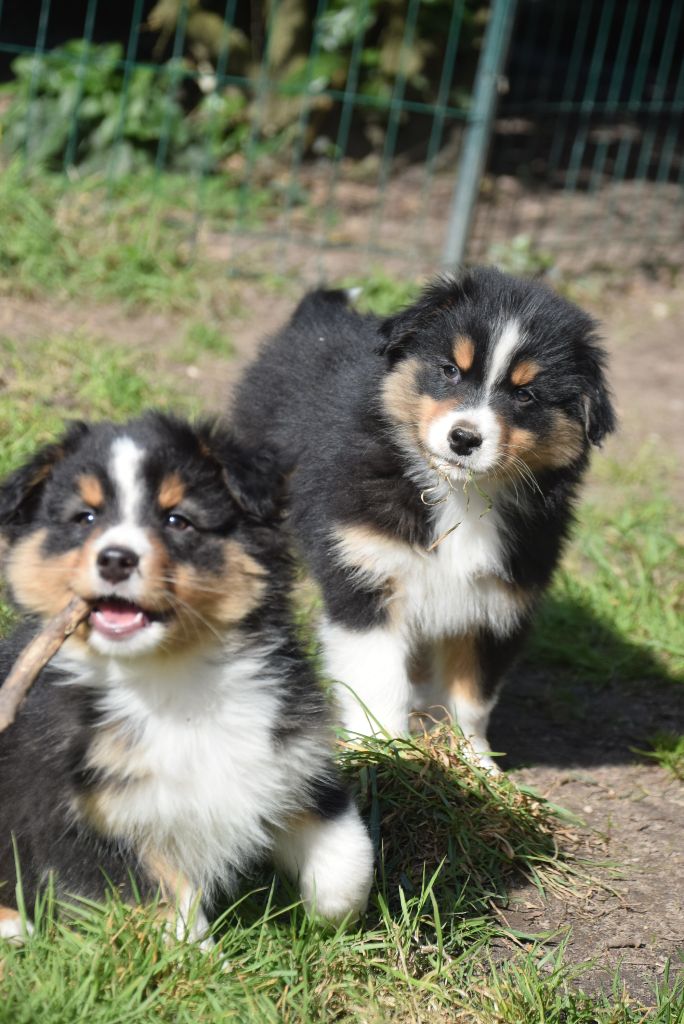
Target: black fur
<point>315,394</point>
<point>47,769</point>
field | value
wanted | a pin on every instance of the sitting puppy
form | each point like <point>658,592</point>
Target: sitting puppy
<point>435,457</point>
<point>179,736</point>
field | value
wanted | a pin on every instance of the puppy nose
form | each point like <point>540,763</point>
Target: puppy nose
<point>116,564</point>
<point>463,441</point>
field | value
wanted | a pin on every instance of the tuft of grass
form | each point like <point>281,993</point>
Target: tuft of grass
<point>467,830</point>
<point>667,749</point>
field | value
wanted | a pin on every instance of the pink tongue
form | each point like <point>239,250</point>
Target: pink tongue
<point>118,615</point>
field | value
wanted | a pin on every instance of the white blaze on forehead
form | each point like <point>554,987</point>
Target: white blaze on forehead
<point>507,343</point>
<point>125,473</point>
<point>124,469</point>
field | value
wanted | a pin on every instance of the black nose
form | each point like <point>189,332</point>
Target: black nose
<point>463,441</point>
<point>116,564</point>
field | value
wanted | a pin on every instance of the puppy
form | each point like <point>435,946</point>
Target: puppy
<point>435,457</point>
<point>179,737</point>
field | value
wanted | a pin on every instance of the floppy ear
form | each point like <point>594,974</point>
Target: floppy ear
<point>440,295</point>
<point>21,491</point>
<point>597,405</point>
<point>254,478</point>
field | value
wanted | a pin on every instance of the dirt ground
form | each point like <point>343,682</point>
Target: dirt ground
<point>633,812</point>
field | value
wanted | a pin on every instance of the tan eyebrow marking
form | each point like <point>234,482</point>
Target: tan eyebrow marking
<point>91,490</point>
<point>464,352</point>
<point>524,373</point>
<point>171,491</point>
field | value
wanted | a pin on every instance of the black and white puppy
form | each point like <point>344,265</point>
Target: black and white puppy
<point>435,457</point>
<point>179,736</point>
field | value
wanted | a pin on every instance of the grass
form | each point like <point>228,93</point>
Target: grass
<point>449,840</point>
<point>133,242</point>
<point>616,608</point>
<point>667,749</point>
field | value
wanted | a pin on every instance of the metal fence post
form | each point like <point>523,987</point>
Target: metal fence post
<point>478,132</point>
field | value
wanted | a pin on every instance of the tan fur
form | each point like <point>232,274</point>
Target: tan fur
<point>171,491</point>
<point>357,545</point>
<point>173,885</point>
<point>8,914</point>
<point>561,446</point>
<point>400,393</point>
<point>464,352</point>
<point>42,583</point>
<point>460,667</point>
<point>411,409</point>
<point>524,372</point>
<point>90,489</point>
<point>211,600</point>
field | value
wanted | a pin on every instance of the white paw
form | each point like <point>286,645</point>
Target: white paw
<point>332,860</point>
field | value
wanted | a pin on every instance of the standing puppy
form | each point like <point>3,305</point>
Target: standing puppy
<point>435,458</point>
<point>179,736</point>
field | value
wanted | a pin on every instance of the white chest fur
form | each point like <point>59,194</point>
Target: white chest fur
<point>203,777</point>
<point>450,590</point>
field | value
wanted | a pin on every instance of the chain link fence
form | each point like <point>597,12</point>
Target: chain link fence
<point>401,133</point>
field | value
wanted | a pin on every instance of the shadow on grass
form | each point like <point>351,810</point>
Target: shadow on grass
<point>583,695</point>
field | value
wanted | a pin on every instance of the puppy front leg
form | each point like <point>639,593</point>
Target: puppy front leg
<point>180,904</point>
<point>331,859</point>
<point>370,671</point>
<point>472,668</point>
<point>469,696</point>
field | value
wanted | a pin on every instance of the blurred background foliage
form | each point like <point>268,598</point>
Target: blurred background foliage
<point>196,80</point>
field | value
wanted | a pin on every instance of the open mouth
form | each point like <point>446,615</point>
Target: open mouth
<point>117,619</point>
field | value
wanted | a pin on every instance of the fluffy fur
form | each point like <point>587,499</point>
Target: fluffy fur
<point>179,737</point>
<point>434,459</point>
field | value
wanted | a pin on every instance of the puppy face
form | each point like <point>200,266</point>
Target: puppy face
<point>495,377</point>
<point>150,522</point>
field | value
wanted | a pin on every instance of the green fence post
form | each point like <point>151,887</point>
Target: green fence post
<point>479,130</point>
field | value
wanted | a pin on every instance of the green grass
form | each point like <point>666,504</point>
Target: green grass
<point>616,608</point>
<point>133,242</point>
<point>450,841</point>
<point>667,749</point>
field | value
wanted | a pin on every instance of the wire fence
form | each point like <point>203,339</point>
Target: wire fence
<point>348,130</point>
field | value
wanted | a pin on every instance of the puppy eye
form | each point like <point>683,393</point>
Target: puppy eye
<point>175,521</point>
<point>451,371</point>
<point>84,518</point>
<point>523,395</point>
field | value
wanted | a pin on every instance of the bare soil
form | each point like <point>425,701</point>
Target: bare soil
<point>576,747</point>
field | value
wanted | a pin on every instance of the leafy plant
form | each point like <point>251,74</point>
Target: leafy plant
<point>78,105</point>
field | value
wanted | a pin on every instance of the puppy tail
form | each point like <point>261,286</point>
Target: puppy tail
<point>322,298</point>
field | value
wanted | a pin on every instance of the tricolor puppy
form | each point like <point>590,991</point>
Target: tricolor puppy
<point>435,456</point>
<point>179,737</point>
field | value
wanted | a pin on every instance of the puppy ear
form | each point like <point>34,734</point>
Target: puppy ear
<point>599,415</point>
<point>254,478</point>
<point>597,405</point>
<point>22,490</point>
<point>438,297</point>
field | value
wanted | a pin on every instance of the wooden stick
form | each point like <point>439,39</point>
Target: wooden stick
<point>35,657</point>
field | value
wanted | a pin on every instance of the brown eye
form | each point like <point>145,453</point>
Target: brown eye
<point>523,395</point>
<point>84,518</point>
<point>175,521</point>
<point>451,371</point>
